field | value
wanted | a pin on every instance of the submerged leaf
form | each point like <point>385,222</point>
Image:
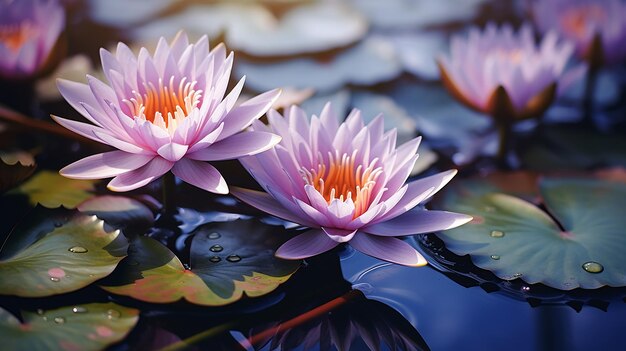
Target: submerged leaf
<point>51,190</point>
<point>227,260</point>
<point>578,243</point>
<point>82,327</point>
<point>54,252</point>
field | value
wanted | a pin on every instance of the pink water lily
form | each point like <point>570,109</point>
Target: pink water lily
<point>503,73</point>
<point>346,182</point>
<point>29,30</point>
<point>166,111</point>
<point>582,22</point>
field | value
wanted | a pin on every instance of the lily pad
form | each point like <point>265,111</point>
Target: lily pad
<point>57,251</point>
<point>15,167</point>
<point>51,190</point>
<point>82,327</point>
<point>227,260</point>
<point>578,243</point>
<point>120,212</point>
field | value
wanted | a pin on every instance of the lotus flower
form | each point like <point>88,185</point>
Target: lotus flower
<point>347,184</point>
<point>165,112</point>
<point>504,74</point>
<point>29,30</point>
<point>586,21</point>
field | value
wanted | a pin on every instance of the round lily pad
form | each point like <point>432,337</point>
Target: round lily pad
<point>14,168</point>
<point>57,251</point>
<point>576,239</point>
<point>53,190</point>
<point>227,260</point>
<point>82,327</point>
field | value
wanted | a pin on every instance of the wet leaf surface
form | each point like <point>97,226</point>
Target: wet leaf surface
<point>57,251</point>
<point>51,190</point>
<point>577,240</point>
<point>124,213</point>
<point>81,327</point>
<point>226,261</point>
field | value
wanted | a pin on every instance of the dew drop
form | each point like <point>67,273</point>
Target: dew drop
<point>233,258</point>
<point>77,249</point>
<point>55,279</point>
<point>113,314</point>
<point>45,319</point>
<point>497,234</point>
<point>495,257</point>
<point>525,288</point>
<point>59,320</point>
<point>79,309</point>
<point>215,235</point>
<point>593,267</point>
<point>215,259</point>
<point>517,275</point>
<point>216,248</point>
<point>40,312</point>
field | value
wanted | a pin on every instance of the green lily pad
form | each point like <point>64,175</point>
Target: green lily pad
<point>227,260</point>
<point>579,243</point>
<point>124,213</point>
<point>57,251</point>
<point>82,327</point>
<point>15,167</point>
<point>51,190</point>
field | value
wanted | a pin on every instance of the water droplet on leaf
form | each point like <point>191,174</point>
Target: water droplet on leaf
<point>55,279</point>
<point>113,314</point>
<point>77,249</point>
<point>214,235</point>
<point>59,320</point>
<point>40,312</point>
<point>79,309</point>
<point>216,248</point>
<point>497,234</point>
<point>593,267</point>
<point>233,258</point>
<point>215,259</point>
<point>495,257</point>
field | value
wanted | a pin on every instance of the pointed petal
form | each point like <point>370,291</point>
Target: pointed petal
<point>418,221</point>
<point>141,176</point>
<point>236,146</point>
<point>120,144</point>
<point>200,174</point>
<point>388,249</point>
<point>339,235</point>
<point>266,203</point>
<point>310,243</point>
<point>80,128</point>
<point>105,165</point>
<point>242,116</point>
<point>172,151</point>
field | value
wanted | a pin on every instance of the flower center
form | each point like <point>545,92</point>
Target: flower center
<point>340,179</point>
<point>579,20</point>
<point>514,55</point>
<point>13,36</point>
<point>165,105</point>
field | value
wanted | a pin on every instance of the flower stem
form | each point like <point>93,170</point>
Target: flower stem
<point>504,143</point>
<point>590,87</point>
<point>168,184</point>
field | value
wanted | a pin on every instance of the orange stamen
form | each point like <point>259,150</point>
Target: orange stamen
<point>577,21</point>
<point>340,179</point>
<point>14,36</point>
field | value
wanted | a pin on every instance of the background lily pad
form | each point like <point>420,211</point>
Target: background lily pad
<point>15,168</point>
<point>120,212</point>
<point>53,190</point>
<point>82,327</point>
<point>227,260</point>
<point>579,243</point>
<point>57,251</point>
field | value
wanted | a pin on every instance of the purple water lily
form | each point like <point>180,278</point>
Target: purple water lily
<point>165,112</point>
<point>504,73</point>
<point>29,30</point>
<point>583,21</point>
<point>347,183</point>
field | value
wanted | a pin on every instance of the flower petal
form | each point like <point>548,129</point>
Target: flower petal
<point>307,244</point>
<point>236,146</point>
<point>388,249</point>
<point>172,151</point>
<point>105,165</point>
<point>84,129</point>
<point>141,176</point>
<point>339,235</point>
<point>267,203</point>
<point>418,221</point>
<point>200,174</point>
<point>242,116</point>
<point>120,144</point>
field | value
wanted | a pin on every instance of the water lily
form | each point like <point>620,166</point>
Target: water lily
<point>346,182</point>
<point>29,30</point>
<point>596,27</point>
<point>166,111</point>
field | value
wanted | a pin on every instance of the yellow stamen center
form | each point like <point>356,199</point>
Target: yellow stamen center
<point>577,21</point>
<point>341,179</point>
<point>165,105</point>
<point>15,35</point>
